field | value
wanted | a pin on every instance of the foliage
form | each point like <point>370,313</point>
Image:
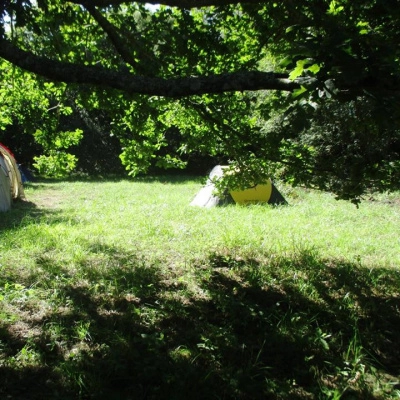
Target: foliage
<point>348,149</point>
<point>57,163</point>
<point>269,88</point>
<point>35,108</point>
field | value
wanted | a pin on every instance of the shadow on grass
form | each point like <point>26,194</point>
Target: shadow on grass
<point>25,212</point>
<point>296,327</point>
<point>20,210</point>
<point>178,178</point>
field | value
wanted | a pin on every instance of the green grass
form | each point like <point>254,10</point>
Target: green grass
<point>118,289</point>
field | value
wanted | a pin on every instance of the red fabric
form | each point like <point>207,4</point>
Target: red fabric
<point>7,149</point>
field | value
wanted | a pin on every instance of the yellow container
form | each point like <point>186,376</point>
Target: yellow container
<point>257,194</point>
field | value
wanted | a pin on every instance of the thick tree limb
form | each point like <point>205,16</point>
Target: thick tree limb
<point>172,3</point>
<point>129,83</point>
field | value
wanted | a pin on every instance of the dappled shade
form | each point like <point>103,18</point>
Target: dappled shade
<point>131,331</point>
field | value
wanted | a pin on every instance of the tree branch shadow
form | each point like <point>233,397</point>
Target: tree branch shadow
<point>124,329</point>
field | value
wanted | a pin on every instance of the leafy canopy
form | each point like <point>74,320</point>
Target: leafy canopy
<point>303,90</point>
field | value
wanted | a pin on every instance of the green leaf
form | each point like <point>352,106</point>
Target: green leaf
<point>314,68</point>
<point>334,8</point>
<point>291,28</point>
<point>298,92</point>
<point>300,64</point>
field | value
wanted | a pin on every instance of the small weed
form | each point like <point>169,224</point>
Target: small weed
<point>82,331</point>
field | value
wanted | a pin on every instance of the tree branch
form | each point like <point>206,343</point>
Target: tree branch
<point>172,3</point>
<point>129,83</point>
<point>121,47</point>
<point>112,33</point>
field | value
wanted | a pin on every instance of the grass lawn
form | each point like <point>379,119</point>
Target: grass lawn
<point>118,289</point>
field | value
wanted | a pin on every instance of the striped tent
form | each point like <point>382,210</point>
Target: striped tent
<point>11,187</point>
